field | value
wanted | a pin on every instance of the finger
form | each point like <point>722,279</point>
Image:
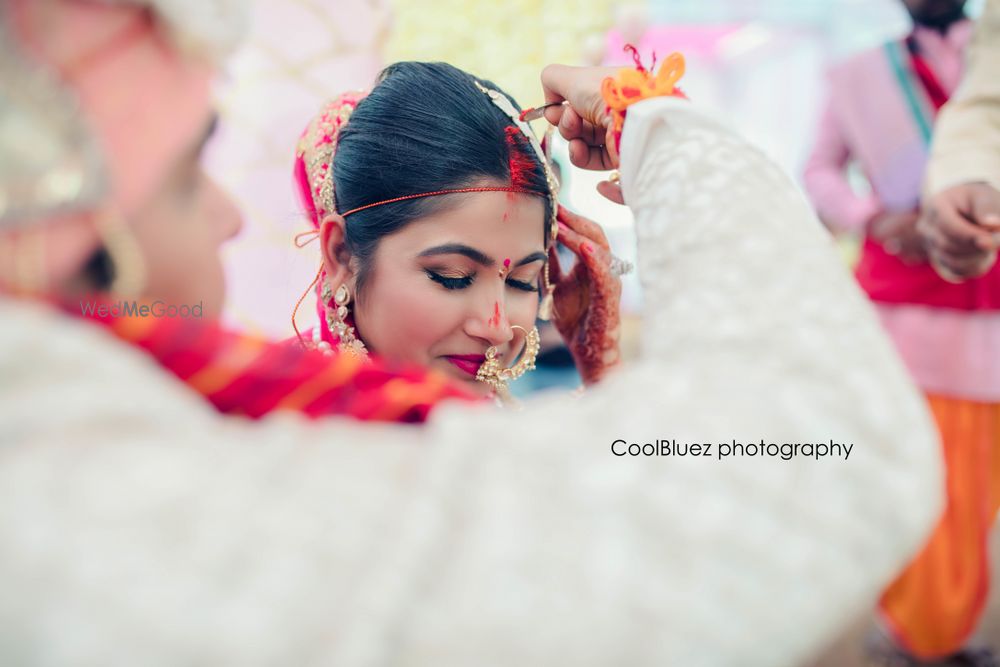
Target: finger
<point>592,134</point>
<point>611,191</point>
<point>584,226</point>
<point>954,225</point>
<point>573,127</point>
<point>964,266</point>
<point>913,254</point>
<point>570,124</point>
<point>596,260</point>
<point>554,114</point>
<point>604,285</point>
<point>571,239</point>
<point>609,142</point>
<point>936,239</point>
<point>554,84</point>
<point>580,86</point>
<point>593,158</point>
<point>985,208</point>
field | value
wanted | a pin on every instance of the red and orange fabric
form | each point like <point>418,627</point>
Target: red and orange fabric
<point>253,377</point>
<point>933,606</point>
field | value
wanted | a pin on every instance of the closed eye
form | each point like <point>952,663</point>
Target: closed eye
<point>449,282</point>
<point>521,285</point>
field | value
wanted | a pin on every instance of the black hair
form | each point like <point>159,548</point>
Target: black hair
<point>424,127</point>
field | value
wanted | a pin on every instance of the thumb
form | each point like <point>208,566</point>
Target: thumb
<point>611,191</point>
<point>580,86</point>
<point>985,206</point>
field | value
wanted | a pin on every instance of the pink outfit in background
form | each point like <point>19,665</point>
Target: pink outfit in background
<point>879,117</point>
<point>867,119</point>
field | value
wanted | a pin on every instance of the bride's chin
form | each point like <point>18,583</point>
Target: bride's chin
<point>478,388</point>
<point>468,381</point>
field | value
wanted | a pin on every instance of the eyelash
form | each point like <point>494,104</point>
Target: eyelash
<point>450,283</point>
<point>465,281</point>
<point>522,286</point>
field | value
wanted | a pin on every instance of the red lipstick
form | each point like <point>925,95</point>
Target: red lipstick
<point>469,363</point>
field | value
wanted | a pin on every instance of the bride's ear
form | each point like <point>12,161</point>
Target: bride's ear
<point>336,258</point>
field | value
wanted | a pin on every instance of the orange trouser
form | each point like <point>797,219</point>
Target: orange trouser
<point>935,603</point>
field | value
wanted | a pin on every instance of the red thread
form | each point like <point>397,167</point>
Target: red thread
<point>302,298</point>
<point>635,57</point>
<point>309,237</point>
<point>442,192</point>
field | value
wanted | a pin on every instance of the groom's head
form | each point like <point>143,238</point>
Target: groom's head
<point>111,193</point>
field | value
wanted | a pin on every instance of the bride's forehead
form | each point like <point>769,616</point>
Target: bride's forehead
<point>483,208</point>
<point>498,224</point>
<point>508,213</point>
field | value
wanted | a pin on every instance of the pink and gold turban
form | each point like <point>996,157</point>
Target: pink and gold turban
<point>139,95</point>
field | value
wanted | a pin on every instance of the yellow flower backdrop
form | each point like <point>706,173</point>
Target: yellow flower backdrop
<point>508,42</point>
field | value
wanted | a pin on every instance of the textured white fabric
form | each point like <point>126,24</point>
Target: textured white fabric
<point>212,28</point>
<point>966,147</point>
<point>137,527</point>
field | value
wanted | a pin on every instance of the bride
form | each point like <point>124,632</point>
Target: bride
<point>437,213</point>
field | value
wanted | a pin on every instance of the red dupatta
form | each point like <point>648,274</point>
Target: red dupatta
<point>253,377</point>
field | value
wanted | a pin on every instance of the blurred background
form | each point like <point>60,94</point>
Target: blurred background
<point>759,63</point>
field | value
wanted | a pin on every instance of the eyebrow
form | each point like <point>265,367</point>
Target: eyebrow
<point>475,255</point>
<point>533,257</point>
<point>459,249</point>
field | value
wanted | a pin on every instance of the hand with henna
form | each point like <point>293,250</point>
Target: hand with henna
<point>586,300</point>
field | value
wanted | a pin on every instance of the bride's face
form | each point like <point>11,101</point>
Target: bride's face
<point>438,293</point>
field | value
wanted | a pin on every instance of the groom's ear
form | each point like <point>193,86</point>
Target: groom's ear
<point>336,258</point>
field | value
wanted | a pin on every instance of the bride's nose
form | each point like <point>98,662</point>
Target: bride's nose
<point>489,322</point>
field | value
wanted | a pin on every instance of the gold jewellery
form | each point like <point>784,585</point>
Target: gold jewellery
<point>492,372</point>
<point>129,273</point>
<point>336,320</point>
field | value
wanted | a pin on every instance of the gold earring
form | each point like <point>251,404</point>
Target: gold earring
<point>492,372</point>
<point>127,260</point>
<point>336,320</point>
<point>545,308</point>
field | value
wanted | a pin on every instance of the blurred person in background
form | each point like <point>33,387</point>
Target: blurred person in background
<point>881,115</point>
<point>962,187</point>
<point>138,525</point>
<point>961,212</point>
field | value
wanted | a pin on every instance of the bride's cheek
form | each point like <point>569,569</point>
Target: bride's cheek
<point>523,311</point>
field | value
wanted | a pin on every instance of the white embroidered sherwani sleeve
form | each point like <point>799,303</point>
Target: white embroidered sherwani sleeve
<point>139,527</point>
